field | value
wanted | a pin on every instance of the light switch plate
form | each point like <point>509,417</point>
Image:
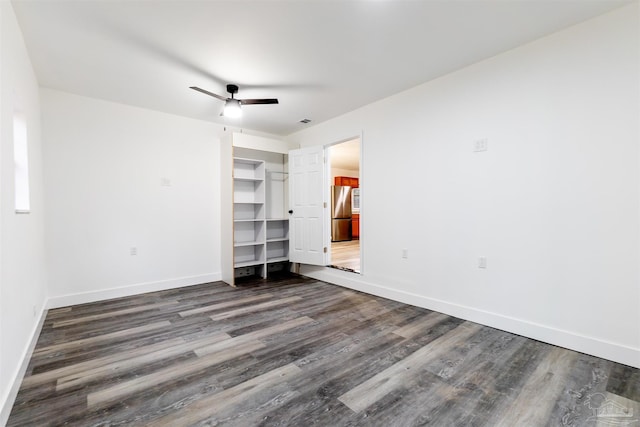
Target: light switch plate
<point>482,262</point>
<point>481,145</point>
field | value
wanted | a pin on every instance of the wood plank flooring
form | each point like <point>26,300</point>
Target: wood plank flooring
<point>346,255</point>
<point>298,352</point>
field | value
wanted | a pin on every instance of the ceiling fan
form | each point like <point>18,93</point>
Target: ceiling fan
<point>232,105</point>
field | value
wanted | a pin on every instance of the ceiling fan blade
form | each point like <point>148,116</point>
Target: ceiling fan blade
<point>206,92</point>
<point>258,101</point>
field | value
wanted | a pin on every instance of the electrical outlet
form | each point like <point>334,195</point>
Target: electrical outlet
<point>482,262</point>
<point>133,250</point>
<point>481,145</point>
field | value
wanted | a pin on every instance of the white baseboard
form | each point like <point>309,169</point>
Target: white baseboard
<point>597,347</point>
<point>80,298</point>
<point>135,289</point>
<point>9,398</point>
<point>562,338</point>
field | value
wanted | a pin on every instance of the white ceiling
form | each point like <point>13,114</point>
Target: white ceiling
<point>346,155</point>
<point>320,58</point>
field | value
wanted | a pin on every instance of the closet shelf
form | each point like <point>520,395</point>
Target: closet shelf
<point>277,239</point>
<point>248,263</point>
<point>241,244</point>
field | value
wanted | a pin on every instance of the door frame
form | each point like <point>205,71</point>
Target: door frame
<point>327,196</point>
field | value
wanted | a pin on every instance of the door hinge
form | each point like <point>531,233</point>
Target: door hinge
<point>325,205</point>
<point>325,249</point>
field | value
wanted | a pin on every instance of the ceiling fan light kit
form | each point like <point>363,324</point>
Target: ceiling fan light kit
<point>232,105</point>
<point>232,109</point>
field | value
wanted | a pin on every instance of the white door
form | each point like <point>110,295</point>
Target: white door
<point>306,215</point>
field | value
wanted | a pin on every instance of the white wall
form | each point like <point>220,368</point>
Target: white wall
<point>22,256</point>
<point>120,177</point>
<point>553,204</point>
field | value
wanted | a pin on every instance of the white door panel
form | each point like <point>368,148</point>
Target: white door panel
<point>306,181</point>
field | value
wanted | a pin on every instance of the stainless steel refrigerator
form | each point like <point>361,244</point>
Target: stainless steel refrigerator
<point>340,213</point>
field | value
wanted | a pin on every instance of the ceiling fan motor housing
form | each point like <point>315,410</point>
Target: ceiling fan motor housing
<point>232,89</point>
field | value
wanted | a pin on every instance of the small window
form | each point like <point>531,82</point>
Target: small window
<point>21,164</point>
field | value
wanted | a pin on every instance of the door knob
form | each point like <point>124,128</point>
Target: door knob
<point>290,211</point>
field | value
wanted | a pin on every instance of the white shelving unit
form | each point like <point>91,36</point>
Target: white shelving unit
<point>277,240</point>
<point>248,214</point>
<point>255,229</point>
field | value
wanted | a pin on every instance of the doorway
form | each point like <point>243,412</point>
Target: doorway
<point>344,191</point>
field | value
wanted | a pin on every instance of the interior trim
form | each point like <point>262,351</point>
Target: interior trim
<point>590,345</point>
<point>135,289</point>
<point>6,404</point>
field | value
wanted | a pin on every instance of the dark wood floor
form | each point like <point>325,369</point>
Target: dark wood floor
<point>298,352</point>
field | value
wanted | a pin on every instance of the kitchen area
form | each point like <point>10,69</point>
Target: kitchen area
<point>345,205</point>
